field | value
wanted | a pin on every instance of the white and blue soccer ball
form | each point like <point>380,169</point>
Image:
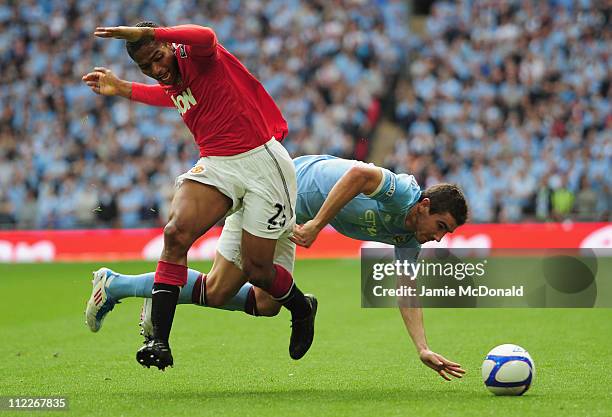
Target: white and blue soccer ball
<point>508,370</point>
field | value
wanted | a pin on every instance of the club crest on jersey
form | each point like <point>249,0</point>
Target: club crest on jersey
<point>197,169</point>
<point>184,101</point>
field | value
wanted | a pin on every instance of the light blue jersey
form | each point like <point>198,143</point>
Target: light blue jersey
<point>379,217</point>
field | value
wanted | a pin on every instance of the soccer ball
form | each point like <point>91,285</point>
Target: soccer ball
<point>508,370</point>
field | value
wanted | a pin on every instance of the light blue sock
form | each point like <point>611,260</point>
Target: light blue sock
<point>185,294</point>
<point>122,286</point>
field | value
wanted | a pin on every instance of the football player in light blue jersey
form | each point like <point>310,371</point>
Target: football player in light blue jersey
<point>359,200</point>
<point>368,203</point>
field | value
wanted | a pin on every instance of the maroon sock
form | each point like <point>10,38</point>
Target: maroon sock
<point>282,284</point>
<point>198,294</point>
<point>285,291</point>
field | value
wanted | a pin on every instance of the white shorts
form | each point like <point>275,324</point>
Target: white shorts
<point>261,184</point>
<point>229,244</point>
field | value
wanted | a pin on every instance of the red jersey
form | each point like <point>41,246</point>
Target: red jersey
<point>224,106</point>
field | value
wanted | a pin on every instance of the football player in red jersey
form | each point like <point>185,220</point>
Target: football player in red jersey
<point>243,170</point>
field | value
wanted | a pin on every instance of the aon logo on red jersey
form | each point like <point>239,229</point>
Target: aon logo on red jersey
<point>184,101</point>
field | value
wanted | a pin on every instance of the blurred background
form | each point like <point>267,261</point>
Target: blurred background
<point>509,99</point>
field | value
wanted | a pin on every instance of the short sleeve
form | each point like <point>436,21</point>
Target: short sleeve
<point>396,192</point>
<point>386,188</point>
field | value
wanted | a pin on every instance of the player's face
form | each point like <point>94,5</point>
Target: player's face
<point>430,227</point>
<point>157,60</point>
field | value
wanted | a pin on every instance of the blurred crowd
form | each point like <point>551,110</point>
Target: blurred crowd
<point>69,158</point>
<point>510,99</point>
<point>507,98</point>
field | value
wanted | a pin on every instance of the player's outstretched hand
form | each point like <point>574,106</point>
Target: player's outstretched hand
<point>102,81</point>
<point>129,33</point>
<point>305,235</point>
<point>441,365</point>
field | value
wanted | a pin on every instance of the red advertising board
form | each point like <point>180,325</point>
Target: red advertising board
<point>117,244</point>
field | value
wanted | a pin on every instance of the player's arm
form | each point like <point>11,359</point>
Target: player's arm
<point>360,178</point>
<point>102,81</point>
<point>412,314</point>
<point>202,40</point>
<point>413,320</point>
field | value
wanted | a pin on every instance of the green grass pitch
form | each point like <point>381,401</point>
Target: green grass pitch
<point>362,362</point>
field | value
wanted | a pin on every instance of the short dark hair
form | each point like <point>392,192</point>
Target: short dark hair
<point>133,47</point>
<point>447,198</point>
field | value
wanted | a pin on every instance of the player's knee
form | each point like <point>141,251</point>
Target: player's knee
<point>177,237</point>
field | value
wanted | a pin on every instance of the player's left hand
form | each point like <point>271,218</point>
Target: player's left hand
<point>102,81</point>
<point>441,365</point>
<point>129,33</point>
<point>305,235</point>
